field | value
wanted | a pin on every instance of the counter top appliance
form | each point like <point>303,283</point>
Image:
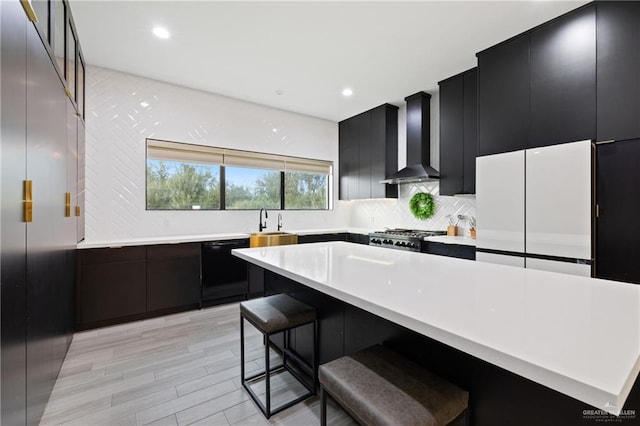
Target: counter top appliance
<point>402,239</point>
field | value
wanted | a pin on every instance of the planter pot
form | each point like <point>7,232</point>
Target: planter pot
<point>452,231</point>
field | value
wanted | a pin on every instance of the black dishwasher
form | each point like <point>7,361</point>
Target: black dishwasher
<point>224,276</point>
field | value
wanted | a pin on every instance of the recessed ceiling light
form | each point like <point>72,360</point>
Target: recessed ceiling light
<point>144,104</point>
<point>161,32</point>
<point>347,92</point>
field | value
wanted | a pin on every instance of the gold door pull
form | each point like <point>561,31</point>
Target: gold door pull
<point>78,211</point>
<point>28,9</point>
<point>67,204</point>
<point>27,201</point>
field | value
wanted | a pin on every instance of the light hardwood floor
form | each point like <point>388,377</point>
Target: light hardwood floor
<point>175,370</point>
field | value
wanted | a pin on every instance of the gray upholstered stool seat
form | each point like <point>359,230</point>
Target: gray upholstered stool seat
<point>276,313</point>
<point>379,387</point>
<point>272,315</point>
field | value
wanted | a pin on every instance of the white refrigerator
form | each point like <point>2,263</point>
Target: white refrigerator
<point>534,208</point>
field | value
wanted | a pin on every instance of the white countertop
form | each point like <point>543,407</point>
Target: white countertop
<point>577,335</point>
<point>463,241</point>
<point>177,239</point>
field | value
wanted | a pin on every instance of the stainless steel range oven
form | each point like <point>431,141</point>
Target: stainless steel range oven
<point>401,239</point>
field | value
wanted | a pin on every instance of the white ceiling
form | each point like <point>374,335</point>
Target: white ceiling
<point>310,50</point>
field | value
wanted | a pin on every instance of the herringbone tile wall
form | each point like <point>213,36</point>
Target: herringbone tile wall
<point>124,109</point>
<point>396,214</point>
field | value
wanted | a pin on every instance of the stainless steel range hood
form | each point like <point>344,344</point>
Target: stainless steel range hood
<point>418,143</point>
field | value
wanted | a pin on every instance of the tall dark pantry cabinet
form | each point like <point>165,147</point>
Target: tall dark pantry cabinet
<point>42,132</point>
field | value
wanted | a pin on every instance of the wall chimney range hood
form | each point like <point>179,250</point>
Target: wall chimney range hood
<point>418,143</point>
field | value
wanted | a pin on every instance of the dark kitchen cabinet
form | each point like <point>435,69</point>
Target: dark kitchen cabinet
<point>383,148</point>
<point>503,97</point>
<point>563,79</point>
<point>79,206</point>
<point>255,276</point>
<point>347,161</point>
<point>112,284</point>
<point>368,150</point>
<point>451,250</point>
<point>470,151</point>
<point>618,70</point>
<point>38,130</point>
<point>358,238</point>
<point>321,238</point>
<point>458,133</point>
<point>361,128</point>
<point>117,285</point>
<point>617,182</point>
<point>13,236</point>
<point>173,276</point>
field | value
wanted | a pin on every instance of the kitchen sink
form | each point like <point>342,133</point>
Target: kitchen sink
<point>266,239</point>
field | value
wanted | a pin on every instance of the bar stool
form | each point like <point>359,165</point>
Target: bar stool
<point>272,315</point>
<point>379,387</point>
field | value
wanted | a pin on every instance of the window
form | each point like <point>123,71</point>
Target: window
<point>175,185</point>
<point>306,191</point>
<point>251,188</point>
<point>193,177</point>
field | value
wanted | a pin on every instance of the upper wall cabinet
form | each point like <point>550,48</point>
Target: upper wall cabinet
<point>368,153</point>
<point>618,56</point>
<point>503,97</point>
<point>563,79</point>
<point>57,31</point>
<point>539,88</point>
<point>458,133</point>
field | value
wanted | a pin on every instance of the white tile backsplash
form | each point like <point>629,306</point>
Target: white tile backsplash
<point>381,213</point>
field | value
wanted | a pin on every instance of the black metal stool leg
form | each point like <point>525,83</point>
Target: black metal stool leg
<point>267,369</point>
<point>315,358</point>
<point>323,407</point>
<point>242,348</point>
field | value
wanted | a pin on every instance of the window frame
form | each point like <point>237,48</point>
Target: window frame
<point>256,154</point>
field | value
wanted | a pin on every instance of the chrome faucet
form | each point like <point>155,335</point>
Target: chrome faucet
<point>263,226</point>
<point>279,221</point>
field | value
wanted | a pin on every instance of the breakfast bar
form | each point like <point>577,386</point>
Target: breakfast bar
<point>575,336</point>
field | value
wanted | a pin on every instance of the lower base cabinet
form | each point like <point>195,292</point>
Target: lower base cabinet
<point>117,285</point>
<point>451,250</point>
<point>173,276</point>
<point>112,284</point>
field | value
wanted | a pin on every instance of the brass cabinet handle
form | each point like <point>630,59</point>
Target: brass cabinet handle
<point>78,211</point>
<point>28,9</point>
<point>27,201</point>
<point>68,92</point>
<point>67,204</point>
<point>27,209</point>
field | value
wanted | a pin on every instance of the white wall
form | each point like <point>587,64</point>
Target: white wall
<point>124,109</point>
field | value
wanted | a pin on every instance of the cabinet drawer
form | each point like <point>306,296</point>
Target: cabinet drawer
<point>173,251</point>
<point>111,255</point>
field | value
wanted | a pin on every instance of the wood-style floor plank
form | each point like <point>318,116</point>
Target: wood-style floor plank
<point>181,369</point>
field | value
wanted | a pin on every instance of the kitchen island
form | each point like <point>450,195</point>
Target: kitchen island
<point>578,336</point>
